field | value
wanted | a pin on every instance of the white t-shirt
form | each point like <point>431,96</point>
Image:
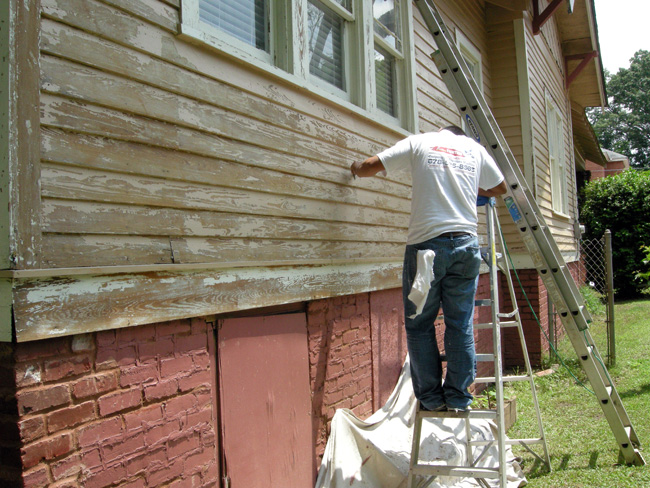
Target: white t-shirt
<point>447,171</point>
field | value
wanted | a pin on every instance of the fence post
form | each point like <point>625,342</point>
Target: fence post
<point>609,270</point>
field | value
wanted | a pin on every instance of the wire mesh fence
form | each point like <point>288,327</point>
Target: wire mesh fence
<point>595,255</point>
<point>592,252</point>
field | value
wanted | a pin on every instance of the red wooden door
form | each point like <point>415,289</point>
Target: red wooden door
<point>266,402</point>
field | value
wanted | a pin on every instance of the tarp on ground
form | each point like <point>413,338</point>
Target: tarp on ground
<point>375,453</point>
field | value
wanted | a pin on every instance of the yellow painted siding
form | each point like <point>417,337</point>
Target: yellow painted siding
<point>547,80</point>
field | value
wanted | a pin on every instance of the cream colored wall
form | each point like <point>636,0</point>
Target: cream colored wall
<point>547,80</point>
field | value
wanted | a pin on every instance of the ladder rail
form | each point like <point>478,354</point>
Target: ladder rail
<point>533,230</point>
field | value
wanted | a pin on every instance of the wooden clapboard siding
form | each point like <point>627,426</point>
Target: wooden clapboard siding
<point>207,140</point>
<point>64,217</point>
<point>109,250</point>
<point>436,107</point>
<point>227,186</point>
<point>156,152</point>
<point>547,79</point>
<point>505,101</point>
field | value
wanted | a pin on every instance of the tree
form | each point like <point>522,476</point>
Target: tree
<point>624,126</point>
<point>621,203</point>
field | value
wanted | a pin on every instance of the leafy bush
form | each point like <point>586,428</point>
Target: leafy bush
<point>643,275</point>
<point>593,300</point>
<point>621,203</point>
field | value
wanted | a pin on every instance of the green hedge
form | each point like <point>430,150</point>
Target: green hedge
<point>621,203</point>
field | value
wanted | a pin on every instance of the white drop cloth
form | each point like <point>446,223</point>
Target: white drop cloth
<point>375,453</point>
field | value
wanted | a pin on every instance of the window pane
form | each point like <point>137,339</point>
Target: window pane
<point>325,45</point>
<point>385,81</point>
<point>247,20</point>
<point>387,22</point>
<point>344,3</point>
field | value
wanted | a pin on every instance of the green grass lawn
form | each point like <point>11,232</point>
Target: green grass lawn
<point>581,444</point>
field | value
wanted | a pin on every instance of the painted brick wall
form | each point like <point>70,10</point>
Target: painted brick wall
<point>536,341</point>
<point>340,361</point>
<point>131,406</point>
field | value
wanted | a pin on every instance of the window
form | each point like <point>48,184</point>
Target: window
<point>388,53</point>
<point>324,45</point>
<point>556,154</point>
<point>472,57</point>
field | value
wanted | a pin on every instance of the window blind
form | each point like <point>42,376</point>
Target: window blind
<point>326,51</point>
<point>247,20</point>
<point>385,81</point>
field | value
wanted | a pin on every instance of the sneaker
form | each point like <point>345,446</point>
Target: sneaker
<point>458,410</point>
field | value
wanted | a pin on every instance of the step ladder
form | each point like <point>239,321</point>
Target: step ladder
<point>496,261</point>
<point>533,230</point>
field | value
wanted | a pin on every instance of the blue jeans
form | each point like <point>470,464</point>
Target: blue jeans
<point>455,267</point>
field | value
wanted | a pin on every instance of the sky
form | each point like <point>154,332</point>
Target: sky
<point>623,29</point>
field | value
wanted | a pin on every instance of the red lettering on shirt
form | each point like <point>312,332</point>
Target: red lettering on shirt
<point>449,150</point>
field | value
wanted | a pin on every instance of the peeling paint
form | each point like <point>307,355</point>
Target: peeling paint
<point>32,374</point>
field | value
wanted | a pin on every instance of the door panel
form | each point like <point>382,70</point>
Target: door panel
<point>266,401</point>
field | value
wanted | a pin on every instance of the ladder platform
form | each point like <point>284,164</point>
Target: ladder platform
<point>466,414</point>
<point>459,471</point>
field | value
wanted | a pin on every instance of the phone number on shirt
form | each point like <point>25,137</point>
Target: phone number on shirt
<point>456,165</point>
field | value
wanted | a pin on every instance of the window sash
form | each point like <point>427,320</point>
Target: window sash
<point>387,23</point>
<point>555,132</point>
<point>326,32</point>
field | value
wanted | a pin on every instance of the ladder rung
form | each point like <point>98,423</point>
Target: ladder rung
<point>459,471</point>
<point>510,442</point>
<point>489,325</point>
<point>491,379</point>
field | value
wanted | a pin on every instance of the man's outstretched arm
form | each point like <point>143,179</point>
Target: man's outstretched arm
<point>369,167</point>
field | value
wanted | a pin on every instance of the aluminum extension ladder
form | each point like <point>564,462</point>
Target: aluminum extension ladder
<point>533,230</point>
<point>499,320</point>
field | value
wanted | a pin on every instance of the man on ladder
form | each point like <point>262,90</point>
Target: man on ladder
<point>449,171</point>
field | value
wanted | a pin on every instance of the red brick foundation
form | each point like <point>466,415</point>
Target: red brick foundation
<point>132,407</point>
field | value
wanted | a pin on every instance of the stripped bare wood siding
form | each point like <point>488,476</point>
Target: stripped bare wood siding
<point>547,77</point>
<point>155,150</point>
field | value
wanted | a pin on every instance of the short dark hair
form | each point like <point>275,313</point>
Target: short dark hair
<point>454,129</point>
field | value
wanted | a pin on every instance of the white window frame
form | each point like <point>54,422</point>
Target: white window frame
<point>557,158</point>
<point>289,55</point>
